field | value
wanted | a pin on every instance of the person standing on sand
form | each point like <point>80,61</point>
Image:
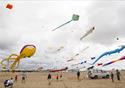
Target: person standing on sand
<point>49,78</point>
<point>112,76</point>
<point>23,77</point>
<point>16,78</point>
<point>61,76</point>
<point>118,74</point>
<point>78,75</point>
<point>57,77</point>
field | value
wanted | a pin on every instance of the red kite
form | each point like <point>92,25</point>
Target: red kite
<point>9,6</point>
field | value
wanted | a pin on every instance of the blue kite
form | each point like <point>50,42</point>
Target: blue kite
<point>109,53</point>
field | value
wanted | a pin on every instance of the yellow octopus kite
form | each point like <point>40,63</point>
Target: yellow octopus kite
<point>26,51</point>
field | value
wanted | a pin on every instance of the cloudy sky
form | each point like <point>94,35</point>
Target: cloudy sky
<point>32,21</point>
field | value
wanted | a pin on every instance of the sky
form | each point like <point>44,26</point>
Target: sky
<point>32,22</point>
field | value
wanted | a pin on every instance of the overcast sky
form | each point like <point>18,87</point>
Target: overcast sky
<point>32,21</point>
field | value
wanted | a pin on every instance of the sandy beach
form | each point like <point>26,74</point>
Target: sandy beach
<point>69,80</point>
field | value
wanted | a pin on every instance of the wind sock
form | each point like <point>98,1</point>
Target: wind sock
<point>74,18</point>
<point>110,53</point>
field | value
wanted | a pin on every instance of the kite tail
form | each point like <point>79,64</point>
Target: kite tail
<point>62,25</point>
<point>3,65</point>
<point>14,63</point>
<point>95,61</point>
<point>83,37</point>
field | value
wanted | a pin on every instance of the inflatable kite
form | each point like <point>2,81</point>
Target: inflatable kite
<point>114,61</point>
<point>26,51</point>
<point>87,33</point>
<point>5,62</point>
<point>74,18</point>
<point>109,53</point>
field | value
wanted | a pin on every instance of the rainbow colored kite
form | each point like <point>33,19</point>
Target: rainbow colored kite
<point>122,58</point>
<point>118,50</point>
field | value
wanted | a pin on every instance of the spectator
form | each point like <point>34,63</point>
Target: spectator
<point>118,74</point>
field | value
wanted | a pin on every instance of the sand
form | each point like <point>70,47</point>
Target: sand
<point>69,80</point>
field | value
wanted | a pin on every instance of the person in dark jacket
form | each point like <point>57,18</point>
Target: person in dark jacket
<point>112,76</point>
<point>78,75</point>
<point>118,74</point>
<point>49,78</point>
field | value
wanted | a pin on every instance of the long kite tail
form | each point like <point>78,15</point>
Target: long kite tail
<point>3,65</point>
<point>62,25</point>
<point>123,58</point>
<point>15,62</point>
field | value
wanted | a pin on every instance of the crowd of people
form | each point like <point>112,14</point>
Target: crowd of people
<point>57,77</point>
<point>9,82</point>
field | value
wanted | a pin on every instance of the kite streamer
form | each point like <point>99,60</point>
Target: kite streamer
<point>109,53</point>
<point>114,61</point>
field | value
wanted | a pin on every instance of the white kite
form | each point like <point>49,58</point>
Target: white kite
<point>73,57</point>
<point>88,32</point>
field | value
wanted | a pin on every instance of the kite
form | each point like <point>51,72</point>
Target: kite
<point>90,67</point>
<point>92,58</point>
<point>109,53</point>
<point>99,64</point>
<point>26,51</point>
<point>117,38</point>
<point>63,69</point>
<point>9,6</point>
<point>11,58</point>
<point>60,48</point>
<point>72,58</point>
<point>122,58</point>
<point>74,18</point>
<point>79,63</point>
<point>88,32</point>
<point>55,51</point>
